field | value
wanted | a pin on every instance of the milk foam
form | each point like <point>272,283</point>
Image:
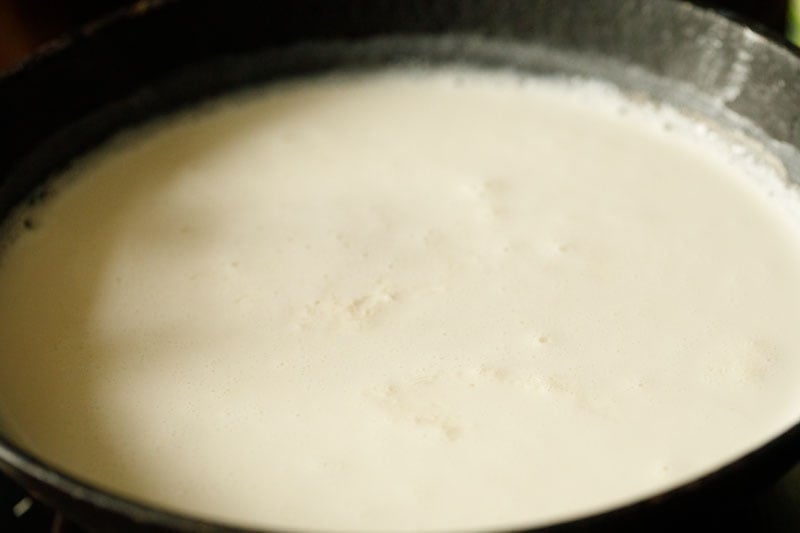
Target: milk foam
<point>405,301</point>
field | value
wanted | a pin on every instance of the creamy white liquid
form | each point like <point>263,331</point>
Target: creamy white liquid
<point>402,302</point>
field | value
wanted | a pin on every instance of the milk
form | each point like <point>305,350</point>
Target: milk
<point>404,301</point>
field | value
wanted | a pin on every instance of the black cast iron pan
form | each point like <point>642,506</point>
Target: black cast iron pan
<point>159,57</point>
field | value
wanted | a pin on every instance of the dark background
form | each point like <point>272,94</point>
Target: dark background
<point>26,25</point>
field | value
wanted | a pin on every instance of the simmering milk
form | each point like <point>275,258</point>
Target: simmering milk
<point>403,301</point>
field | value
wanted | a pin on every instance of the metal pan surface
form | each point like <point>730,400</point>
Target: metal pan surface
<point>159,57</point>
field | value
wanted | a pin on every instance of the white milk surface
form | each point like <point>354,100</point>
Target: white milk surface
<point>403,301</point>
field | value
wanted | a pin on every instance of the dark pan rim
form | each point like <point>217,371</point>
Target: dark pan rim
<point>781,452</point>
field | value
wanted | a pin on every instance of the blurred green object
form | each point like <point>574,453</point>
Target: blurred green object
<point>793,25</point>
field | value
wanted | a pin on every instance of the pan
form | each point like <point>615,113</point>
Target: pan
<point>160,57</point>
